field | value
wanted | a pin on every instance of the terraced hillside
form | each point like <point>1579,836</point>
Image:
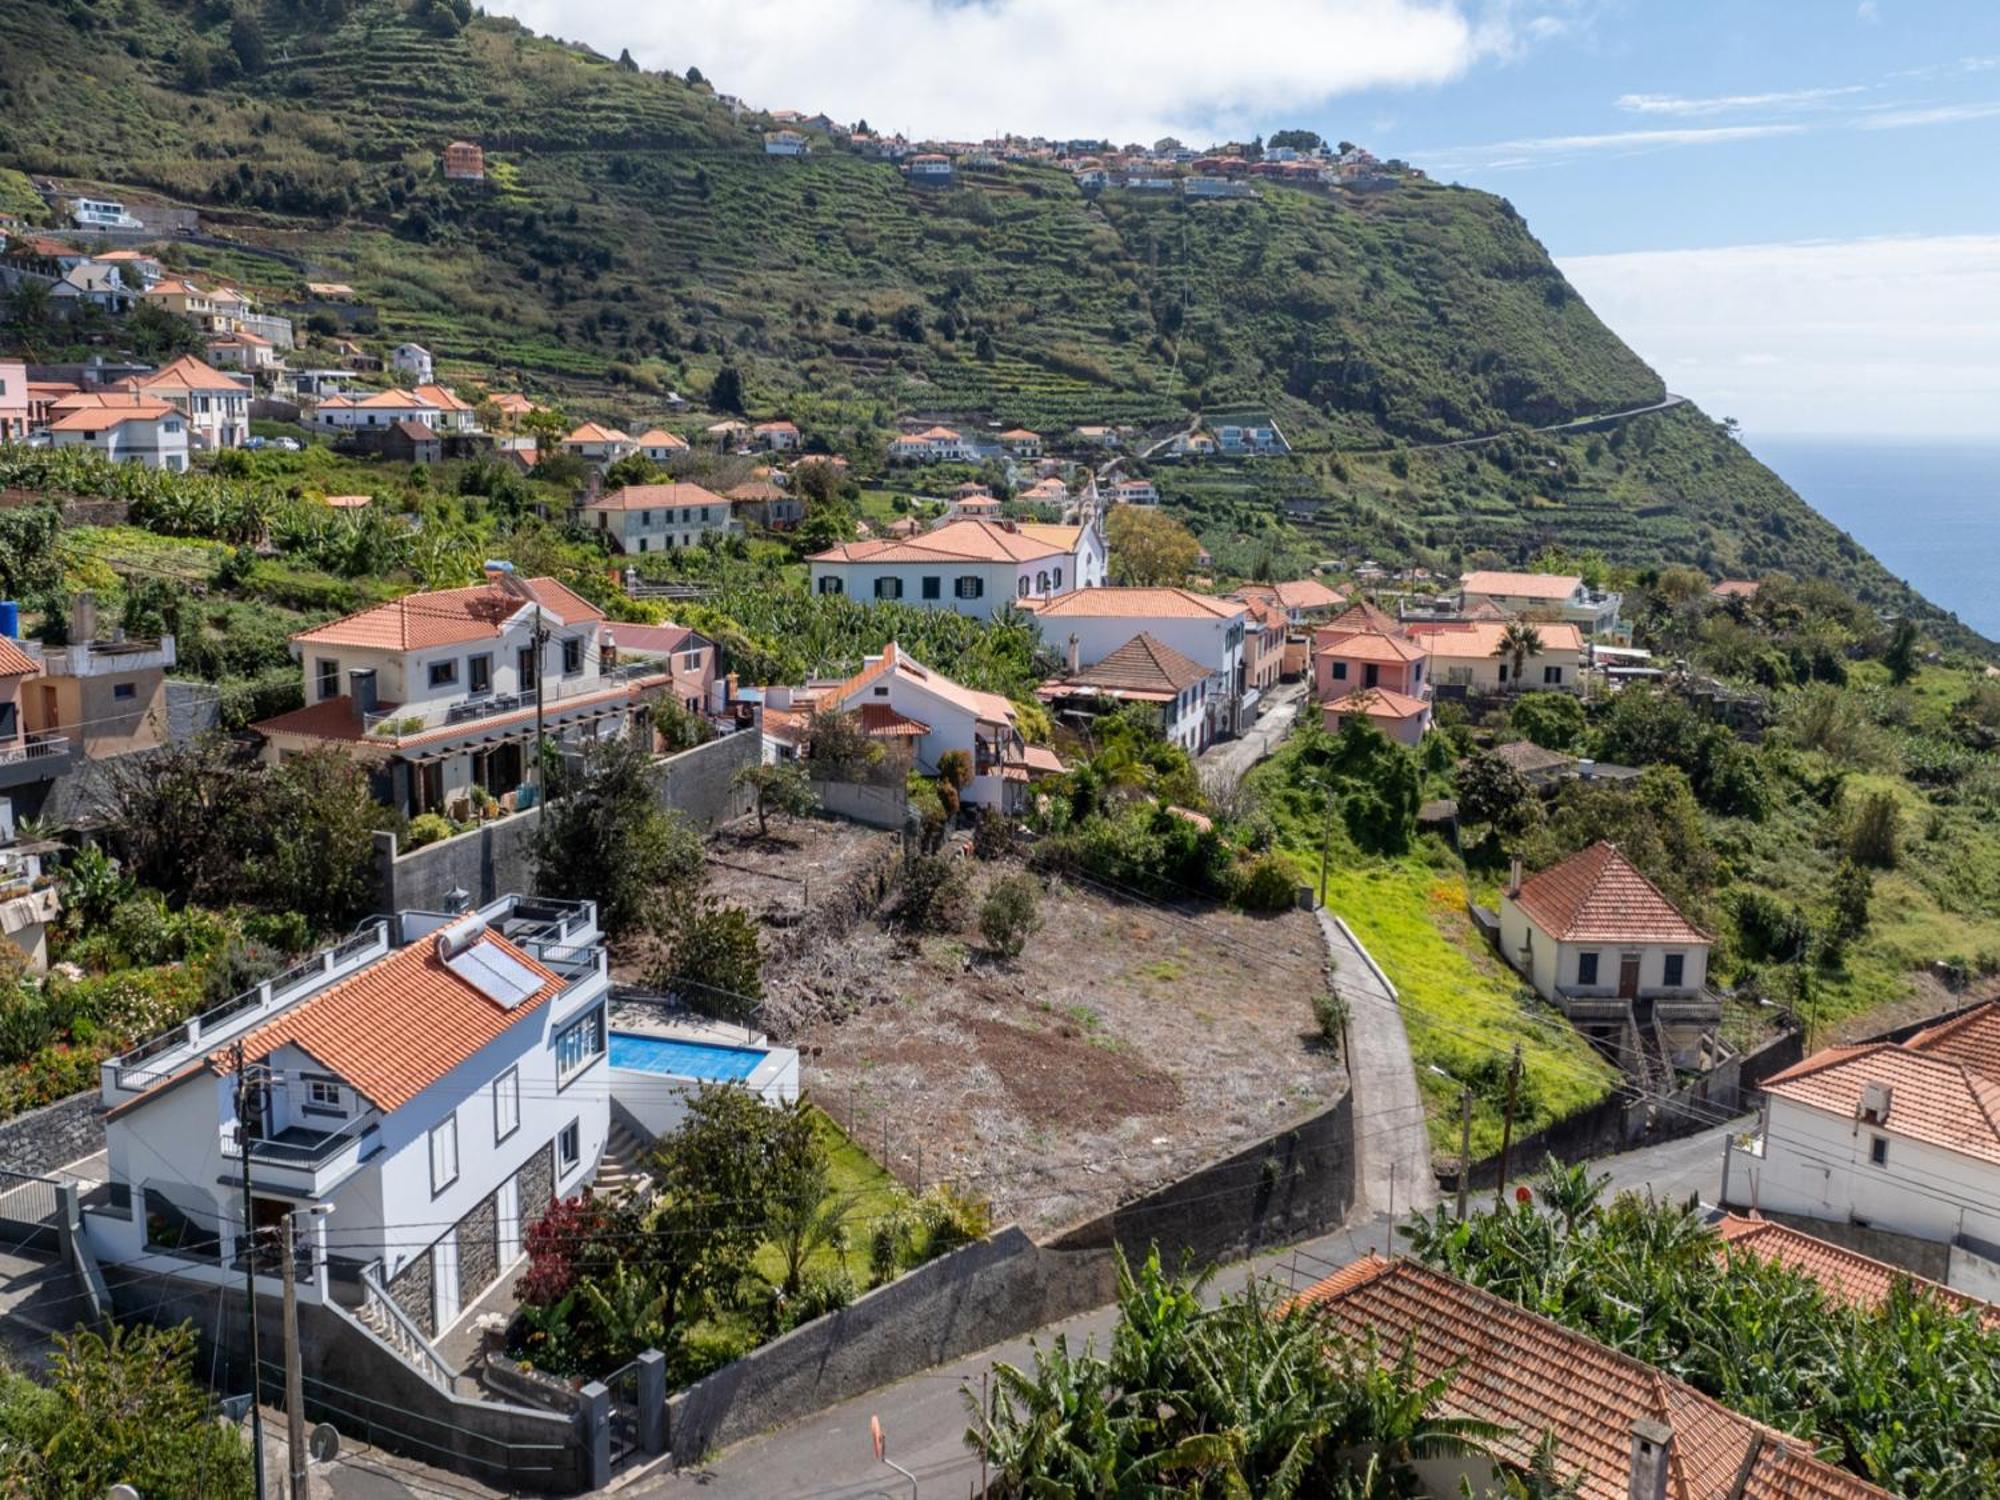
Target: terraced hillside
<point>633,238</point>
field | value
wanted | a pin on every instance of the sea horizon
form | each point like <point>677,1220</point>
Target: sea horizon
<point>1928,508</point>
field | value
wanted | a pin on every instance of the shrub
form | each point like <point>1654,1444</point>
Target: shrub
<point>992,835</point>
<point>1010,914</point>
<point>1771,930</point>
<point>934,895</point>
<point>890,1242</point>
<point>1872,835</point>
<point>1552,720</point>
<point>1267,885</point>
<point>713,959</point>
<point>1330,1013</point>
<point>952,1218</point>
<point>955,769</point>
<point>823,1291</point>
<point>427,828</point>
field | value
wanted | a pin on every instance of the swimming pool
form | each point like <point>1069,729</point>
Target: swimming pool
<point>711,1062</point>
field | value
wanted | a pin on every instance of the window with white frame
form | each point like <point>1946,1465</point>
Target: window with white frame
<point>579,1044</point>
<point>569,1148</point>
<point>506,1104</point>
<point>444,1154</point>
<point>322,1093</point>
<point>443,673</point>
<point>969,586</point>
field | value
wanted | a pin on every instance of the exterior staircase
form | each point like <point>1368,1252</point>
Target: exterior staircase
<point>620,1172</point>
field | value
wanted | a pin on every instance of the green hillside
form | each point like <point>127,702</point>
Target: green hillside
<point>633,237</point>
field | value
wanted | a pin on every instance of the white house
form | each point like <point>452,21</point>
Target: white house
<point>658,445</point>
<point>1551,596</point>
<point>1099,620</point>
<point>786,143</point>
<point>929,167</point>
<point>595,443</point>
<point>1902,1138</point>
<point>376,409</point>
<point>101,213</point>
<point>1135,492</point>
<point>1599,941</point>
<point>972,567</point>
<point>894,694</point>
<point>435,693</point>
<point>133,429</point>
<point>216,407</point>
<point>437,1082</point>
<point>932,445</point>
<point>413,360</point>
<point>1144,671</point>
<point>1020,442</point>
<point>656,517</point>
<point>449,412</point>
<point>779,437</point>
<point>1467,654</point>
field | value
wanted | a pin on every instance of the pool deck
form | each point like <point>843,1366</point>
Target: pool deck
<point>647,1018</point>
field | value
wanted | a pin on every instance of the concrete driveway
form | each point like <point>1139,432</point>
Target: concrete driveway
<point>1230,761</point>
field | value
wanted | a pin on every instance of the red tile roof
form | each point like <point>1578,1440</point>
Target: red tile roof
<point>1481,639</point>
<point>447,617</point>
<point>111,414</point>
<point>1931,1099</point>
<point>1552,586</point>
<point>1597,895</point>
<point>882,720</point>
<point>1368,646</point>
<point>1379,703</point>
<point>955,541</point>
<point>653,497</point>
<point>14,662</point>
<point>1972,1039</point>
<point>1141,668</point>
<point>1360,617</point>
<point>1846,1274</point>
<point>399,1025</point>
<point>653,640</point>
<point>594,432</point>
<point>189,373</point>
<point>1507,1366</point>
<point>894,662</point>
<point>1298,593</point>
<point>659,437</point>
<point>1106,602</point>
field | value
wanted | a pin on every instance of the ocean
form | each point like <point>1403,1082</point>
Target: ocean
<point>1930,511</point>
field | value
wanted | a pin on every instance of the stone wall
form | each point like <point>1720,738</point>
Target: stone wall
<point>498,857</point>
<point>53,1136</point>
<point>415,1291</point>
<point>877,806</point>
<point>478,1250</point>
<point>366,1390</point>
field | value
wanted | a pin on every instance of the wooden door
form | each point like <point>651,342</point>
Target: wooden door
<point>1628,976</point>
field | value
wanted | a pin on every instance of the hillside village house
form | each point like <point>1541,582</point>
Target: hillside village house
<point>124,429</point>
<point>974,568</point>
<point>762,503</point>
<point>686,656</point>
<point>215,407</point>
<point>1599,941</point>
<point>786,143</point>
<point>413,360</point>
<point>464,162</point>
<point>656,517</point>
<point>29,899</point>
<point>778,437</point>
<point>377,409</point>
<point>1626,1430</point>
<point>1144,671</point>
<point>595,443</point>
<point>657,445</point>
<point>1090,624</point>
<point>1019,442</point>
<point>104,693</point>
<point>1548,596</point>
<point>435,693</point>
<point>244,351</point>
<point>933,445</point>
<point>13,401</point>
<point>1264,633</point>
<point>1902,1139</point>
<point>1468,655</point>
<point>449,412</point>
<point>1135,492</point>
<point>1365,666</point>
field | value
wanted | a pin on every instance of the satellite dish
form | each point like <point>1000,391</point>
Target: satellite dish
<point>323,1445</point>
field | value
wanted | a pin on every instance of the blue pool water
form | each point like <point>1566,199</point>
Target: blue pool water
<point>708,1061</point>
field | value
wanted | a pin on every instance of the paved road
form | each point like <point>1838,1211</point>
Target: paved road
<point>827,1457</point>
<point>1390,1132</point>
<point>1228,762</point>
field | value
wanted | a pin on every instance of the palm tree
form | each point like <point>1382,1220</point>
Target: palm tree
<point>1519,641</point>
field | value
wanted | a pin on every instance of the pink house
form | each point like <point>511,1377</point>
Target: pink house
<point>13,401</point>
<point>1402,718</point>
<point>1364,663</point>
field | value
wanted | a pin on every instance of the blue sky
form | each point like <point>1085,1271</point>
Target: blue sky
<point>1790,207</point>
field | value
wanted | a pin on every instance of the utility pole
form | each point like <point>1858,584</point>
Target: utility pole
<point>247,1242</point>
<point>295,1405</point>
<point>1326,844</point>
<point>1507,1128</point>
<point>1464,1148</point>
<point>540,636</point>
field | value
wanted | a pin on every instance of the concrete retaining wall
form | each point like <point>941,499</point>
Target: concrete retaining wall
<point>53,1136</point>
<point>1297,1182</point>
<point>363,1388</point>
<point>877,806</point>
<point>500,856</point>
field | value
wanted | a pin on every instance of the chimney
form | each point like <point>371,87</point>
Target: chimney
<point>1074,654</point>
<point>607,650</point>
<point>83,618</point>
<point>1514,874</point>
<point>361,691</point>
<point>1652,1459</point>
<point>778,695</point>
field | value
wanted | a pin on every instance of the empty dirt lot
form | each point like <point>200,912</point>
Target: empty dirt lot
<point>1126,1046</point>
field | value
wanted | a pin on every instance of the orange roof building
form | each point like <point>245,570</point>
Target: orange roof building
<point>1848,1275</point>
<point>972,566</point>
<point>1626,1428</point>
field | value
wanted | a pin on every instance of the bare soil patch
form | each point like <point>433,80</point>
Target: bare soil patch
<point>1127,1046</point>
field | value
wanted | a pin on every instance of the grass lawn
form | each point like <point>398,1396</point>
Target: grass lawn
<point>872,1193</point>
<point>1463,1008</point>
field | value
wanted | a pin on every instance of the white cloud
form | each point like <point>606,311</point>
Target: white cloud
<point>1127,69</point>
<point>1719,104</point>
<point>1542,149</point>
<point>1859,338</point>
<point>1941,114</point>
<point>1866,11</point>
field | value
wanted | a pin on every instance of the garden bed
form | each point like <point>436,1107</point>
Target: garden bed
<point>1126,1046</point>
